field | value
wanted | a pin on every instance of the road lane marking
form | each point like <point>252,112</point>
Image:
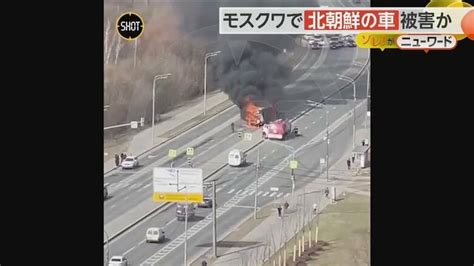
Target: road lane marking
<point>240,206</point>
<point>260,192</point>
<point>272,194</point>
<point>251,193</point>
<point>266,193</point>
<point>238,192</point>
<point>113,206</point>
<point>230,191</point>
<point>132,248</point>
<point>273,151</point>
<point>287,194</point>
<point>264,157</point>
<point>217,190</point>
<point>314,122</point>
<point>133,186</point>
<point>144,187</point>
<point>305,128</point>
<point>279,194</point>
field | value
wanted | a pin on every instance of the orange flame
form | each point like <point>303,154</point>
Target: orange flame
<point>252,113</point>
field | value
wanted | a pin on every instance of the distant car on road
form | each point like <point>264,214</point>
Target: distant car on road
<point>155,234</point>
<point>118,261</point>
<point>130,162</point>
<point>207,203</point>
<point>181,211</point>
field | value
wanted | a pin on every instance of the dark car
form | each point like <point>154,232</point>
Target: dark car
<point>334,42</point>
<point>181,212</point>
<point>207,203</point>
<point>351,43</point>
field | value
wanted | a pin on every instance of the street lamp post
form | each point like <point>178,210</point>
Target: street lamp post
<point>107,236</point>
<point>205,75</point>
<point>352,82</point>
<point>157,77</point>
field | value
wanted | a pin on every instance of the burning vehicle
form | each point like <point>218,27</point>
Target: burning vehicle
<point>257,113</point>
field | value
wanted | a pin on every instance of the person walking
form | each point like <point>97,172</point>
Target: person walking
<point>232,127</point>
<point>117,160</point>
<point>279,211</point>
<point>315,209</point>
<point>348,164</point>
<point>326,191</point>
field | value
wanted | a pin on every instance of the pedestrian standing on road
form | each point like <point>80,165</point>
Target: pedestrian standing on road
<point>326,191</point>
<point>353,158</point>
<point>279,211</point>
<point>121,157</point>
<point>117,160</point>
<point>232,127</point>
<point>286,205</point>
<point>348,164</point>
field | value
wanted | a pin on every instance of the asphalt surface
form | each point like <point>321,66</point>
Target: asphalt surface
<point>130,187</point>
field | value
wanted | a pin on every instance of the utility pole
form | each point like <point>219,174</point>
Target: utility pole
<point>186,229</point>
<point>256,184</point>
<point>327,145</point>
<point>214,222</point>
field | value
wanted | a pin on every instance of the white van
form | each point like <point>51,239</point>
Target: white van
<point>155,234</point>
<point>237,158</point>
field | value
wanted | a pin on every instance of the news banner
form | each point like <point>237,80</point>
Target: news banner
<point>424,28</point>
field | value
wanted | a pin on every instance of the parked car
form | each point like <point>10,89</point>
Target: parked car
<point>118,261</point>
<point>130,162</point>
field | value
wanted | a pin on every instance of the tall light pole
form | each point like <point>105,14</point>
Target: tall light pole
<point>157,77</point>
<point>107,236</point>
<point>368,96</point>
<point>352,82</point>
<point>205,75</point>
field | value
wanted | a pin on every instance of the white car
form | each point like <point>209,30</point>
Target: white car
<point>118,261</point>
<point>154,234</point>
<point>130,162</point>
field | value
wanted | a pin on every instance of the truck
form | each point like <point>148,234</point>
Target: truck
<point>278,129</point>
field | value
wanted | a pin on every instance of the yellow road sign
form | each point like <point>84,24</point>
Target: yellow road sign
<point>190,151</point>
<point>172,153</point>
<point>293,164</point>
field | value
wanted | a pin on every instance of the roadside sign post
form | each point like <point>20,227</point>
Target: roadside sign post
<point>172,155</point>
<point>190,153</point>
<point>293,166</point>
<point>134,124</point>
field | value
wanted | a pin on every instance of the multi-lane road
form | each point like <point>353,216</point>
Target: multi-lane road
<point>314,78</point>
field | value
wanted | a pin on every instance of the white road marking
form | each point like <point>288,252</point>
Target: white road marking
<point>260,192</point>
<point>133,186</point>
<point>169,222</point>
<point>279,194</point>
<point>287,194</point>
<point>232,190</point>
<point>334,108</point>
<point>264,157</point>
<point>240,206</point>
<point>273,151</point>
<point>113,206</point>
<point>305,128</point>
<point>238,192</point>
<point>132,248</point>
<point>320,118</point>
<point>217,190</point>
<point>144,187</point>
<point>251,193</point>
<point>266,193</point>
<point>272,194</point>
<point>314,122</point>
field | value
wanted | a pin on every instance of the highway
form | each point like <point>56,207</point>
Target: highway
<point>315,78</point>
